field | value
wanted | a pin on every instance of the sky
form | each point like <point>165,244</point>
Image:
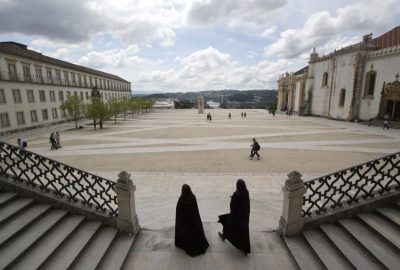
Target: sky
<point>184,45</point>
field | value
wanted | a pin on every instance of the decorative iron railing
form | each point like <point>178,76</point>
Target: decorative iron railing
<point>375,177</point>
<point>64,181</point>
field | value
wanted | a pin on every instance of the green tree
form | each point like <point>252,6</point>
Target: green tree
<point>115,106</point>
<point>74,107</point>
<point>148,103</point>
<point>132,106</point>
<point>98,110</point>
<point>125,105</point>
<point>138,105</point>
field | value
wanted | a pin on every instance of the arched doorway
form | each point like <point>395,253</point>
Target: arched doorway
<point>390,100</point>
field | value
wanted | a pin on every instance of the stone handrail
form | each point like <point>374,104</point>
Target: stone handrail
<point>61,180</point>
<point>360,182</point>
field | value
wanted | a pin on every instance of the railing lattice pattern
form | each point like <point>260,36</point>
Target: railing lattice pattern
<point>57,178</point>
<point>360,182</point>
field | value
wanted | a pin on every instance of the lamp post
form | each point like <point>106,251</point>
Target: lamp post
<point>95,94</point>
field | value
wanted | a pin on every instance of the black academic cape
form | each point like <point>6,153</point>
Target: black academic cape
<point>236,223</point>
<point>189,232</point>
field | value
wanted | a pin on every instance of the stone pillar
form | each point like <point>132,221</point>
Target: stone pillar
<point>127,220</point>
<point>200,104</point>
<point>291,221</point>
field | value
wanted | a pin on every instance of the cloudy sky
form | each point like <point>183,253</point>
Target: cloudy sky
<point>184,45</point>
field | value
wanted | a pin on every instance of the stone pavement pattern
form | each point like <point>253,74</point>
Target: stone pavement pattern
<point>164,149</point>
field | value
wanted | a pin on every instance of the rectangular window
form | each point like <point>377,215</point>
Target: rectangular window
<point>62,113</point>
<point>42,96</point>
<point>61,95</point>
<point>68,94</point>
<point>80,80</point>
<point>38,74</point>
<point>66,80</point>
<point>45,115</point>
<point>12,72</point>
<point>87,95</point>
<point>81,94</point>
<point>4,121</point>
<point>30,95</point>
<point>27,74</point>
<point>2,96</point>
<point>20,118</point>
<point>73,79</point>
<point>95,82</point>
<point>58,77</point>
<point>75,93</point>
<point>33,116</point>
<point>49,76</point>
<point>17,96</point>
<point>54,113</point>
<point>84,81</point>
<point>52,96</point>
<point>90,82</point>
<point>342,97</point>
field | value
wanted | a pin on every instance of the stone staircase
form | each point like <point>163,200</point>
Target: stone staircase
<point>37,236</point>
<point>379,123</point>
<point>366,241</point>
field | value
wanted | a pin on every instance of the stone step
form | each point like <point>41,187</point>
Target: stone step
<point>117,253</point>
<point>13,249</point>
<point>326,251</point>
<point>303,253</point>
<point>356,254</point>
<point>13,207</point>
<point>90,257</point>
<point>384,227</point>
<point>390,213</point>
<point>6,196</point>
<point>65,254</point>
<point>398,204</point>
<point>43,248</point>
<point>372,241</point>
<point>21,220</point>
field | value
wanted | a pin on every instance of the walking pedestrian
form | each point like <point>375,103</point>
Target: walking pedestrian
<point>255,147</point>
<point>58,139</point>
<point>386,122</point>
<point>236,223</point>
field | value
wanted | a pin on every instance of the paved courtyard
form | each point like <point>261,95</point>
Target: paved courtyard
<point>167,148</point>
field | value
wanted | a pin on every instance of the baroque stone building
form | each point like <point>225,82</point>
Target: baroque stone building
<point>359,81</point>
<point>32,87</point>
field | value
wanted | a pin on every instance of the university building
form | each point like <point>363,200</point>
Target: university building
<point>32,87</point>
<point>357,82</point>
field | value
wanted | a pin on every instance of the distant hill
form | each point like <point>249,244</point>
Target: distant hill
<point>227,98</point>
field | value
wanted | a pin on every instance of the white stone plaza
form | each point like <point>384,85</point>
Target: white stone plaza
<point>164,149</point>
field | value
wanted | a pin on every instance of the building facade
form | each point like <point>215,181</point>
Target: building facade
<point>32,87</point>
<point>356,82</point>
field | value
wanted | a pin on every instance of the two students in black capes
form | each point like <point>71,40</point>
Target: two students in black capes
<point>189,232</point>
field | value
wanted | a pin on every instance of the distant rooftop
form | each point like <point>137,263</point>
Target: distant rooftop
<point>22,50</point>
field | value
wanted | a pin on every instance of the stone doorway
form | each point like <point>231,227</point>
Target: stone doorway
<point>390,100</point>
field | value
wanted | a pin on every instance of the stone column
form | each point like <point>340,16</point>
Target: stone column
<point>291,221</point>
<point>200,104</point>
<point>127,220</point>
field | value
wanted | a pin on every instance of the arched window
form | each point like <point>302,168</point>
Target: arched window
<point>342,97</point>
<point>325,79</point>
<point>369,85</point>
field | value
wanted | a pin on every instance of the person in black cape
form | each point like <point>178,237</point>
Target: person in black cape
<point>236,223</point>
<point>189,232</point>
